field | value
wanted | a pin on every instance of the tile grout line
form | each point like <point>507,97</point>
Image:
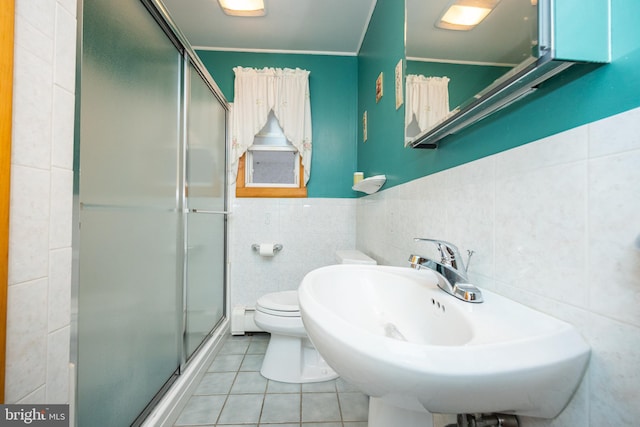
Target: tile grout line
<point>266,386</point>
<point>235,378</point>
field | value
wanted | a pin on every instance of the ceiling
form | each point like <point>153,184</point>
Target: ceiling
<point>334,27</point>
<point>337,27</point>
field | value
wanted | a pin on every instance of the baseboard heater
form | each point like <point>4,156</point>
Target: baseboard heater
<point>242,320</point>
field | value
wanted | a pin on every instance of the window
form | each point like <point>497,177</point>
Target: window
<point>272,161</point>
<point>269,103</point>
<point>271,166</point>
<point>268,167</point>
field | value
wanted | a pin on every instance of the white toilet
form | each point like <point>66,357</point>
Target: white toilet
<point>290,356</point>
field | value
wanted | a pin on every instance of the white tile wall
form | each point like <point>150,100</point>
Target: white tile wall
<point>41,203</point>
<point>553,224</point>
<point>310,230</point>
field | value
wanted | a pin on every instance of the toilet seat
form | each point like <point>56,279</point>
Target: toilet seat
<point>283,304</point>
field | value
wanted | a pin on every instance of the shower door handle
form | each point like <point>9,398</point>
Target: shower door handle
<point>203,211</point>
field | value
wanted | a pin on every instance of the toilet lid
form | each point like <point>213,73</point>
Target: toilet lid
<point>286,301</point>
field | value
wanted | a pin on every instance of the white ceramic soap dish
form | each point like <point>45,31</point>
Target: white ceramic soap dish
<point>370,185</point>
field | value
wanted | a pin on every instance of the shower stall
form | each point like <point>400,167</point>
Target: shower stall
<point>150,191</point>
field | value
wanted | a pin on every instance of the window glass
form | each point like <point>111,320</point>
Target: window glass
<point>274,167</point>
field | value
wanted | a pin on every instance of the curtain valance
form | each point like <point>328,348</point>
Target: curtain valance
<point>259,91</point>
<point>427,99</point>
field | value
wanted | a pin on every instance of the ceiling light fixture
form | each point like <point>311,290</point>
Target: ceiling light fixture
<point>243,7</point>
<point>463,15</point>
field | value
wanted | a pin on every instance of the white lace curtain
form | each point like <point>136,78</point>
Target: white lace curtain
<point>257,92</point>
<point>427,100</point>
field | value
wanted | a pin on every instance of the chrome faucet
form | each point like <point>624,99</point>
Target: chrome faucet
<point>452,274</point>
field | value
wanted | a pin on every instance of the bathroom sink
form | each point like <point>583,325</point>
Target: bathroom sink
<point>394,334</point>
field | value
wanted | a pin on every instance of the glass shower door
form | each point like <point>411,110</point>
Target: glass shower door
<point>130,266</point>
<point>206,218</point>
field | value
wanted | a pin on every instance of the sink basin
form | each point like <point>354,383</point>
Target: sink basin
<point>416,350</point>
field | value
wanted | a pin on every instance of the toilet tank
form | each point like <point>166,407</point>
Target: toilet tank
<point>353,256</point>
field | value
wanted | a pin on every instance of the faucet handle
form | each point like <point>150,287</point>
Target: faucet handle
<point>448,252</point>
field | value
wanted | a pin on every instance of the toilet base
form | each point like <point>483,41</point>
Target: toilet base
<point>294,360</point>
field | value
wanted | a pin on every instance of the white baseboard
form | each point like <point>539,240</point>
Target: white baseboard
<point>242,320</point>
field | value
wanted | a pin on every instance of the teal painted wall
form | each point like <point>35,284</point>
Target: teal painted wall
<point>333,89</point>
<point>382,48</point>
<point>465,80</point>
<point>581,95</point>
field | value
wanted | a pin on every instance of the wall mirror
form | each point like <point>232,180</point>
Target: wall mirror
<point>458,62</point>
<point>487,66</point>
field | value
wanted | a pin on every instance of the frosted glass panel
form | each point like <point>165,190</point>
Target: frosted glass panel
<point>205,230</point>
<point>205,275</point>
<point>273,167</point>
<point>130,106</point>
<point>129,292</point>
<point>128,313</point>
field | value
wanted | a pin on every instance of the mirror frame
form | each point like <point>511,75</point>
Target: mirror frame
<point>513,86</point>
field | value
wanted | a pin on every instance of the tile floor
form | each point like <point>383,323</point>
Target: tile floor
<point>233,393</point>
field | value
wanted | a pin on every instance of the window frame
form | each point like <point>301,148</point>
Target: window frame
<point>242,190</point>
<point>257,148</point>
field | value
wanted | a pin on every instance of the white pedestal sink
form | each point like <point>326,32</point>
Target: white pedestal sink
<point>417,350</point>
